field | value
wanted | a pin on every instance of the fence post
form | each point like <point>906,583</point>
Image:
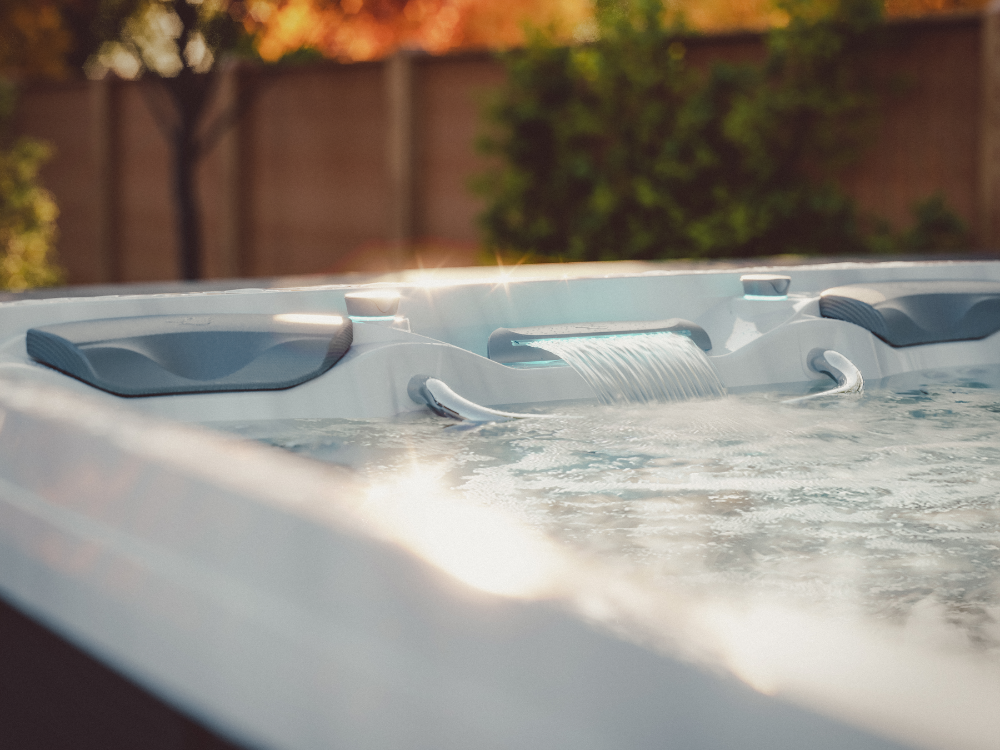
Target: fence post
<point>399,91</point>
<point>106,143</point>
<point>235,258</point>
<point>989,133</point>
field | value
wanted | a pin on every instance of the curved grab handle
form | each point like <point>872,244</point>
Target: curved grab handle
<point>443,401</point>
<point>837,366</point>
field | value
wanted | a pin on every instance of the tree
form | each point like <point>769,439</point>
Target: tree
<point>34,42</point>
<point>178,44</point>
<point>27,211</point>
<point>620,149</point>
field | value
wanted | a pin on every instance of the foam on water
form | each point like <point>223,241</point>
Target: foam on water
<point>640,368</point>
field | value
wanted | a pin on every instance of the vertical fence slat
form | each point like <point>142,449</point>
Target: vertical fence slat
<point>234,260</point>
<point>400,152</point>
<point>989,135</point>
<point>106,116</point>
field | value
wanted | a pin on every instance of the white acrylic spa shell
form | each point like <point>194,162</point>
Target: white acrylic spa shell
<point>249,588</point>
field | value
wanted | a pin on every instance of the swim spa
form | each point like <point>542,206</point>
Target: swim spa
<point>727,572</point>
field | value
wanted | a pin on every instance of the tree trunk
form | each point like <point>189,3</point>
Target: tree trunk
<point>188,218</point>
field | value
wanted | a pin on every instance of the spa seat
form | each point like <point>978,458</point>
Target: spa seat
<point>165,354</point>
<point>907,313</point>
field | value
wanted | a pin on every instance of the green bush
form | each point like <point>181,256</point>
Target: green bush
<point>621,149</point>
<point>27,211</point>
<point>935,227</point>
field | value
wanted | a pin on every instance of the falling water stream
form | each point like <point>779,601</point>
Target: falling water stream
<point>640,368</point>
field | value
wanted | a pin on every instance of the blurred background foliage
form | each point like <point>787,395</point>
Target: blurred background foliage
<point>34,41</point>
<point>372,29</point>
<point>38,39</point>
<point>28,212</point>
<point>619,149</point>
<point>610,144</point>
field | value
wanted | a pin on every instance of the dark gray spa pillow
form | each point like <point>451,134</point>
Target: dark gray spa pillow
<point>165,354</point>
<point>906,313</point>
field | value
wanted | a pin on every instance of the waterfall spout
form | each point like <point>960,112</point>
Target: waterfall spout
<point>640,368</point>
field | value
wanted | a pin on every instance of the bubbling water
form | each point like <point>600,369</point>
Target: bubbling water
<point>640,368</point>
<point>843,552</point>
<point>888,504</point>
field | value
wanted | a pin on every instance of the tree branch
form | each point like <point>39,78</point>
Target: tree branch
<point>166,120</point>
<point>232,114</point>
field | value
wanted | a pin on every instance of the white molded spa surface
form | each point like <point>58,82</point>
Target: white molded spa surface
<point>291,604</point>
<point>756,344</point>
<point>275,600</point>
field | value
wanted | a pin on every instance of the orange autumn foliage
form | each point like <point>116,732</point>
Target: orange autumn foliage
<point>370,29</point>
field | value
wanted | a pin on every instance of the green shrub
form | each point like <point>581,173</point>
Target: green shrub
<point>935,227</point>
<point>621,149</point>
<point>27,212</point>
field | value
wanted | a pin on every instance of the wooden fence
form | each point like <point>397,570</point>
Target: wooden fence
<point>350,167</point>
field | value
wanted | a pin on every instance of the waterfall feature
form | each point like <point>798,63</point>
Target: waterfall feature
<point>640,368</point>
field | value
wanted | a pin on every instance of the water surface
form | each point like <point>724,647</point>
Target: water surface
<point>886,503</point>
